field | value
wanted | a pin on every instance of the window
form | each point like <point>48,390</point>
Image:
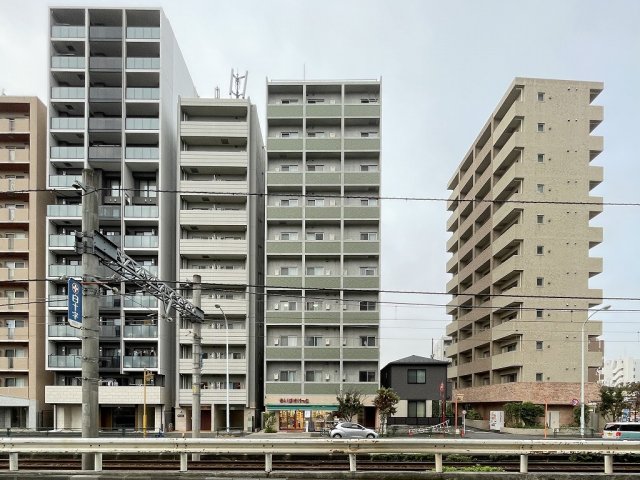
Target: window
<point>313,376</point>
<point>416,375</point>
<point>287,376</point>
<point>540,219</point>
<point>288,341</point>
<point>540,188</point>
<point>317,133</point>
<point>287,101</point>
<point>367,376</point>
<point>541,96</point>
<point>510,378</point>
<point>369,236</point>
<point>509,348</point>
<point>288,168</point>
<point>367,341</point>
<point>369,134</point>
<point>539,313</point>
<point>539,249</point>
<point>315,271</point>
<point>146,187</point>
<point>541,158</point>
<point>313,341</point>
<point>288,235</point>
<point>541,127</point>
<point>538,377</point>
<point>289,271</point>
<point>416,408</point>
<point>319,236</point>
<point>539,345</point>
<point>368,100</point>
<point>368,271</point>
<point>288,202</point>
<point>314,167</point>
<point>367,306</point>
<point>368,202</point>
<point>314,305</point>
<point>315,202</point>
<point>290,134</point>
<point>368,168</point>
<point>313,100</point>
<point>539,281</point>
<point>288,306</point>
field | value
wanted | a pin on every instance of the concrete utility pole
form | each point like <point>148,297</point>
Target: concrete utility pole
<point>197,368</point>
<point>90,327</point>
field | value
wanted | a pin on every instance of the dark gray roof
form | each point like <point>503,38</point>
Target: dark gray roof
<point>416,359</point>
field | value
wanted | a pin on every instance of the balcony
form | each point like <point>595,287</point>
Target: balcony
<point>361,353</point>
<point>143,63</point>
<point>221,276</point>
<point>323,178</point>
<point>213,396</point>
<point>283,317</point>
<point>283,353</point>
<point>360,110</point>
<point>14,363</point>
<point>237,161</point>
<point>230,307</point>
<point>108,395</point>
<point>105,125</point>
<point>362,178</point>
<point>508,238</point>
<point>108,94</point>
<point>322,353</point>
<point>325,213</point>
<point>323,144</point>
<point>321,317</point>
<point>68,31</point>
<point>143,33</point>
<point>139,302</point>
<point>364,282</point>
<point>14,245</point>
<point>594,266</point>
<point>284,213</point>
<point>140,331</point>
<point>67,93</point>
<point>284,247</point>
<point>321,282</point>
<point>67,123</point>
<point>202,129</point>
<point>284,111</point>
<point>213,246</point>
<point>18,215</point>
<point>14,156</point>
<point>323,110</point>
<point>112,64</point>
<point>595,236</point>
<point>65,270</point>
<point>284,281</point>
<point>213,217</point>
<point>277,144</point>
<point>68,62</point>
<point>67,152</point>
<point>65,361</point>
<point>509,152</point>
<point>362,213</point>
<point>105,154</point>
<point>14,274</point>
<point>140,211</point>
<point>322,247</point>
<point>361,318</point>
<point>64,331</point>
<point>515,263</point>
<point>142,153</point>
<point>143,93</point>
<point>140,361</point>
<point>105,33</point>
<point>64,211</point>
<point>507,360</point>
<point>213,187</point>
<point>216,366</point>
<point>143,123</point>
<point>361,144</point>
<point>361,247</point>
<point>283,388</point>
<point>141,241</point>
<point>13,184</point>
<point>513,177</point>
<point>19,334</point>
<point>284,178</point>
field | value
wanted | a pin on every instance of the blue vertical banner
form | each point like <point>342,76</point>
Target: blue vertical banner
<point>74,291</point>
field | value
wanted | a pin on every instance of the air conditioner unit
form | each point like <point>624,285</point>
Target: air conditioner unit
<point>327,307</point>
<point>332,134</point>
<point>344,342</point>
<point>332,101</point>
<point>333,168</point>
<point>276,376</point>
<point>344,378</point>
<point>344,307</point>
<point>276,307</point>
<point>277,272</point>
<point>327,342</point>
<point>276,341</point>
<point>327,377</point>
<point>327,273</point>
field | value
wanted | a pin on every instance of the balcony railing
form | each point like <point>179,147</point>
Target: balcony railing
<point>105,63</point>
<point>105,33</point>
<point>105,153</point>
<point>143,123</point>
<point>142,153</point>
<point>65,270</point>
<point>109,362</point>
<point>141,331</point>
<point>67,152</point>
<point>141,211</point>
<point>67,62</point>
<point>68,31</point>
<point>146,33</point>
<point>140,362</point>
<point>144,63</point>
<point>96,124</point>
<point>67,92</point>
<point>141,241</point>
<point>62,240</point>
<point>67,123</point>
<point>64,210</point>
<point>143,93</point>
<point>65,361</point>
<point>64,331</point>
<point>105,93</point>
<point>140,301</point>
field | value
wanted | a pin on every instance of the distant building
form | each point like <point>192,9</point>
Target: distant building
<point>620,371</point>
<point>521,233</point>
<point>440,348</point>
<point>418,382</point>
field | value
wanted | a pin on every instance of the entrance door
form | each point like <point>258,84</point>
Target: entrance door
<point>205,420</point>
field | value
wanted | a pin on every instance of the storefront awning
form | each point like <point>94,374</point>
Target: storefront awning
<point>302,406</point>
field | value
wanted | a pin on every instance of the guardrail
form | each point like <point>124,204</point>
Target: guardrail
<point>269,447</point>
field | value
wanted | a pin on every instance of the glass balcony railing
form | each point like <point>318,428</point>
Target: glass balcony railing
<point>64,210</point>
<point>143,93</point>
<point>109,330</point>
<point>140,301</point>
<point>109,362</point>
<point>141,241</point>
<point>143,62</point>
<point>141,331</point>
<point>65,270</point>
<point>64,331</point>
<point>68,31</point>
<point>109,301</point>
<point>105,63</point>
<point>105,33</point>
<point>142,153</point>
<point>58,301</point>
<point>65,361</point>
<point>140,361</point>
<point>143,32</point>
<point>143,123</point>
<point>141,211</point>
<point>67,152</point>
<point>105,93</point>
<point>67,123</point>
<point>109,212</point>
<point>62,240</point>
<point>63,180</point>
<point>67,62</point>
<point>105,153</point>
<point>67,92</point>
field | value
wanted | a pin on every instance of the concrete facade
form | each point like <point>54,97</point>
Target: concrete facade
<point>322,247</point>
<point>520,238</point>
<point>115,76</point>
<point>221,238</point>
<point>22,263</point>
<point>619,371</point>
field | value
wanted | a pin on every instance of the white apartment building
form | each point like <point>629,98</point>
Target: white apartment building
<point>620,371</point>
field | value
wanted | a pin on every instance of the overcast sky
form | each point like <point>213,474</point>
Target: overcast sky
<point>444,66</point>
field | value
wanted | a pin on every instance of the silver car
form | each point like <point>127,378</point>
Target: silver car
<point>352,430</point>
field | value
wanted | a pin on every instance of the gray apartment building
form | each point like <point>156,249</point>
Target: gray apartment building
<point>22,216</point>
<point>322,247</point>
<point>221,238</point>
<point>521,232</point>
<point>115,76</point>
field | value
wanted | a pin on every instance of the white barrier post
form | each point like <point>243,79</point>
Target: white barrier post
<point>97,462</point>
<point>524,463</point>
<point>438,462</point>
<point>13,462</point>
<point>352,462</point>
<point>268,462</point>
<point>183,462</point>
<point>608,464</point>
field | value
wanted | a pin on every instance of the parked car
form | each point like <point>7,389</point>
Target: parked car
<point>352,430</point>
<point>621,431</point>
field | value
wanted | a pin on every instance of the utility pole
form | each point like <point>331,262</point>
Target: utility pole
<point>197,367</point>
<point>90,327</point>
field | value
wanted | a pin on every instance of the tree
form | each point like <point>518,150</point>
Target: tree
<point>633,398</point>
<point>385,401</point>
<point>524,414</point>
<point>349,404</point>
<point>612,402</point>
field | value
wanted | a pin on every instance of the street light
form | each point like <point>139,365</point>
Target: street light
<point>226,328</point>
<point>606,307</point>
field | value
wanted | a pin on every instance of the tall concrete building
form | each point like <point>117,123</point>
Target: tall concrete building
<point>521,232</point>
<point>115,76</point>
<point>620,371</point>
<point>221,238</point>
<point>323,248</point>
<point>22,263</point>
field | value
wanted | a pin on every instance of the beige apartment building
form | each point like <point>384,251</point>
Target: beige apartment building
<point>22,262</point>
<point>521,233</point>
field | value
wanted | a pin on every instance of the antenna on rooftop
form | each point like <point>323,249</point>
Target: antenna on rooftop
<point>217,92</point>
<point>238,85</point>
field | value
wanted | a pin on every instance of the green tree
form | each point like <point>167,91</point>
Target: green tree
<point>385,401</point>
<point>524,414</point>
<point>612,402</point>
<point>633,398</point>
<point>349,404</point>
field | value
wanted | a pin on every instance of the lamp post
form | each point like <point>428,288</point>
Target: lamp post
<point>606,307</point>
<point>226,328</point>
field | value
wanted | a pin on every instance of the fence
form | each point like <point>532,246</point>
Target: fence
<point>321,447</point>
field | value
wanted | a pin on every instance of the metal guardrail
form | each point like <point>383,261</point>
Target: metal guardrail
<point>269,447</point>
